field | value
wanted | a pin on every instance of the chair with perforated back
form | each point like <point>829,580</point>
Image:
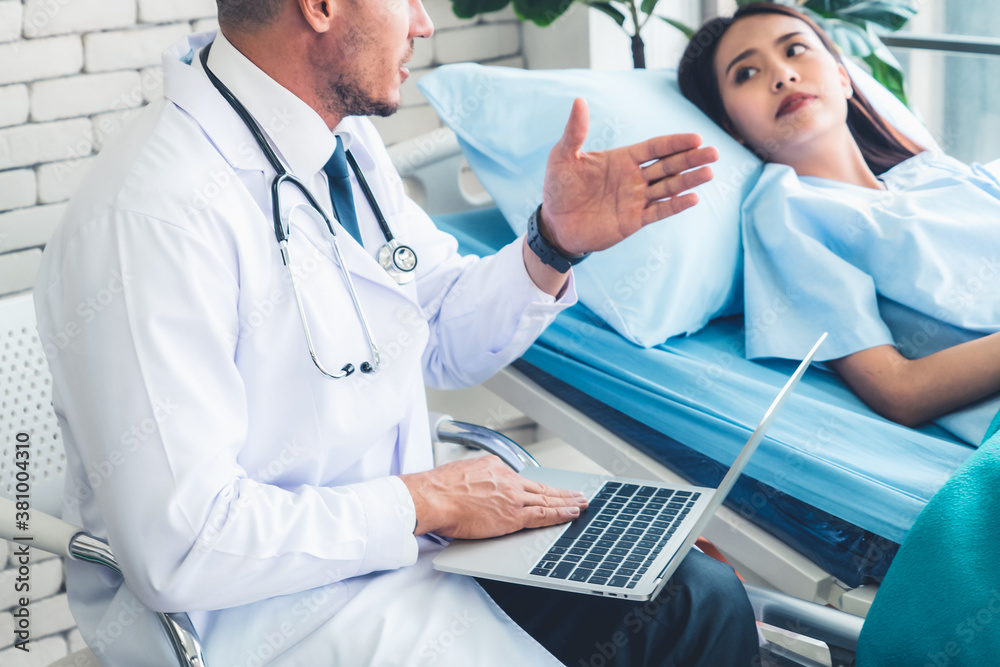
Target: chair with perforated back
<point>28,425</point>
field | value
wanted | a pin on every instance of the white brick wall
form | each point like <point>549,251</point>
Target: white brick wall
<point>162,11</point>
<point>57,181</point>
<point>73,72</point>
<point>17,187</point>
<point>60,17</point>
<point>130,49</point>
<point>34,59</point>
<point>10,20</point>
<point>13,105</point>
<point>84,94</point>
<point>36,143</point>
<point>480,42</point>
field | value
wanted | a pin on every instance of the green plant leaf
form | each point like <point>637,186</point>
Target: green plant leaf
<point>889,76</point>
<point>687,30</point>
<point>648,6</point>
<point>888,15</point>
<point>852,38</point>
<point>610,10</point>
<point>541,12</point>
<point>467,9</point>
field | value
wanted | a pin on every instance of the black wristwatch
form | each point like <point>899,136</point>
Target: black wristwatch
<point>547,251</point>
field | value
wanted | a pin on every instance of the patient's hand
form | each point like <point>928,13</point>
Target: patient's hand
<point>594,200</point>
<point>482,497</point>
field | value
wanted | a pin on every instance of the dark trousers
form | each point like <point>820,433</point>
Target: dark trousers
<point>702,618</point>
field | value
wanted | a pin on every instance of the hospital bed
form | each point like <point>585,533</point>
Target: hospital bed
<point>825,501</point>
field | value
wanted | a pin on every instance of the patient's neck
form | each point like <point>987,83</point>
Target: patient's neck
<point>835,156</point>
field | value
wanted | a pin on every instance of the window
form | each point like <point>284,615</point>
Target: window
<point>956,94</point>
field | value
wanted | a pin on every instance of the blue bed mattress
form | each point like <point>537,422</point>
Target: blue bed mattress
<point>832,478</point>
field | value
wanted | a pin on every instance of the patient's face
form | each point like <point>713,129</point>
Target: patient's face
<point>780,86</point>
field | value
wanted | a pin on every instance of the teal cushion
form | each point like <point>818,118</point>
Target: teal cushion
<point>671,277</point>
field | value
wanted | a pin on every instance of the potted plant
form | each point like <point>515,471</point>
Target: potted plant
<point>854,25</point>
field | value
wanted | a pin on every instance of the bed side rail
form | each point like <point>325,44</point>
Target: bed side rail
<point>436,174</point>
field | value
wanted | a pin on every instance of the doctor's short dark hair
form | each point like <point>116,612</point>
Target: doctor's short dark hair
<point>246,15</point>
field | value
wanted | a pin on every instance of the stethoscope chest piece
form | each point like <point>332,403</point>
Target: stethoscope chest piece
<point>399,261</point>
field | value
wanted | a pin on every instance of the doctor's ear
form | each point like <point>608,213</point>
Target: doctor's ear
<point>317,13</point>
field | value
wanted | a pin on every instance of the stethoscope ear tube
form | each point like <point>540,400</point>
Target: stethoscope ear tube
<point>398,260</point>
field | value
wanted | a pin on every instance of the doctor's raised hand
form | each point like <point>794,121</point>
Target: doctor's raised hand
<point>592,201</point>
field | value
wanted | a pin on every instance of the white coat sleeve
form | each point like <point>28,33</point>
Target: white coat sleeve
<point>150,389</point>
<point>483,313</point>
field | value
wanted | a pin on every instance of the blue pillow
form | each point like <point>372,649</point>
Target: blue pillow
<point>671,277</point>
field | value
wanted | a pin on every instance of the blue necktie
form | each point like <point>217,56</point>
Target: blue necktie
<point>340,191</point>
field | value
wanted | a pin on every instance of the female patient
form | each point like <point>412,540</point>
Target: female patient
<point>852,228</point>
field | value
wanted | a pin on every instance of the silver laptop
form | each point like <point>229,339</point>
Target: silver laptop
<point>628,542</point>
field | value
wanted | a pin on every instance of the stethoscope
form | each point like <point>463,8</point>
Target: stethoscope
<point>398,260</point>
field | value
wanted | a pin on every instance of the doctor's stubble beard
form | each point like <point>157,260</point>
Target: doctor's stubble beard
<point>345,94</point>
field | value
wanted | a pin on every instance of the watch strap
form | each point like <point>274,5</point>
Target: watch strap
<point>547,251</point>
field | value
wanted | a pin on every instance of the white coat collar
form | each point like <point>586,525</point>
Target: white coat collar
<point>186,85</point>
<point>293,128</point>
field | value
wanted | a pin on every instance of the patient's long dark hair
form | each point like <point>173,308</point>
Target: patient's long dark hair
<point>882,145</point>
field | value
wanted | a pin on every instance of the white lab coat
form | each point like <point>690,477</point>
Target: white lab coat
<point>231,479</point>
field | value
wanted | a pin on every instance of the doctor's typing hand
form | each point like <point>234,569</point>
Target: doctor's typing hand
<point>483,497</point>
<point>591,201</point>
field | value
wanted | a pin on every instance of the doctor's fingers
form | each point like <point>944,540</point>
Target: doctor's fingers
<point>537,516</point>
<point>538,494</point>
<point>674,185</point>
<point>679,162</point>
<point>664,208</point>
<point>663,146</point>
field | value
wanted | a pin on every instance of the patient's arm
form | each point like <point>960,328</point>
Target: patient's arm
<point>913,391</point>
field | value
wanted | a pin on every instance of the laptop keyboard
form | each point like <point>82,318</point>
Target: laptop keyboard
<point>619,536</point>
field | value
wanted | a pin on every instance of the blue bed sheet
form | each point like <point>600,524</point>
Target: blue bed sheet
<point>826,449</point>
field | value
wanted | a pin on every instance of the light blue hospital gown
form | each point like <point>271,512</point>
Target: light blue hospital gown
<point>916,265</point>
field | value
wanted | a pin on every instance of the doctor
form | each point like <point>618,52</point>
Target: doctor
<point>277,504</point>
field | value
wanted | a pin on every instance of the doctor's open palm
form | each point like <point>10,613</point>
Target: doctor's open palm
<point>591,201</point>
